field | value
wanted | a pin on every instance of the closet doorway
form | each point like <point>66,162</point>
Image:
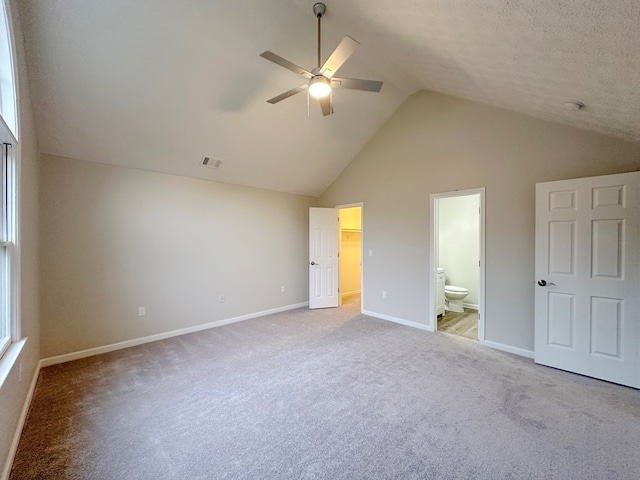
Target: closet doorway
<point>350,255</point>
<point>457,263</point>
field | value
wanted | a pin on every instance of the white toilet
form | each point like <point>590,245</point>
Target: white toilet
<point>454,296</point>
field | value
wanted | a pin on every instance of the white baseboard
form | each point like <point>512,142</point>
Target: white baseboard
<point>509,349</point>
<point>497,346</point>
<point>401,321</point>
<point>4,475</point>
<point>46,362</point>
<point>470,305</point>
<point>350,293</point>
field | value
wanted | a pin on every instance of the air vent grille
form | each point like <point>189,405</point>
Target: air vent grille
<point>211,162</point>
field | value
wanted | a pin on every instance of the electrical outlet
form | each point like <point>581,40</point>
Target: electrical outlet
<point>283,289</point>
<point>371,253</point>
<point>142,311</point>
<point>384,294</point>
<point>222,299</point>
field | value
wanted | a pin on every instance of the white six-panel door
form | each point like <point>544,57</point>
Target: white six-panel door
<point>587,308</point>
<point>323,257</point>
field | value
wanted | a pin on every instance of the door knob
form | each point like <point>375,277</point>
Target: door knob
<point>314,263</point>
<point>543,283</point>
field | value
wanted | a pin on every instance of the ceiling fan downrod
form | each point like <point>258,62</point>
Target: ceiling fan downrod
<point>319,9</point>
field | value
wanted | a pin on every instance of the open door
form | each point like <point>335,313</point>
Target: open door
<point>587,304</point>
<point>323,258</point>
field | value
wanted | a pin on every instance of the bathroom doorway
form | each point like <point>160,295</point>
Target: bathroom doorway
<point>457,263</point>
<point>350,256</point>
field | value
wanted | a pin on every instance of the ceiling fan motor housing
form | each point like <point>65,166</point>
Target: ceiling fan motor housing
<point>319,9</point>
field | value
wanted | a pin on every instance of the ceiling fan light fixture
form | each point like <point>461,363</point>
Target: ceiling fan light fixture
<point>319,86</point>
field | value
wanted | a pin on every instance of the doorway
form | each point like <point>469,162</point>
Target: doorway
<point>350,255</point>
<point>457,263</point>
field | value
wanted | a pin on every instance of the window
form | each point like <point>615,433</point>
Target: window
<point>8,110</point>
<point>8,260</point>
<point>5,254</point>
<point>9,323</point>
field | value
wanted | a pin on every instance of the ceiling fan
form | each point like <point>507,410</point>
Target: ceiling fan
<point>321,80</point>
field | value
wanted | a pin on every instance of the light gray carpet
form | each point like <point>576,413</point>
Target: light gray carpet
<point>326,394</point>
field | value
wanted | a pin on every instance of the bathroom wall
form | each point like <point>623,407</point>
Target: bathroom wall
<point>459,241</point>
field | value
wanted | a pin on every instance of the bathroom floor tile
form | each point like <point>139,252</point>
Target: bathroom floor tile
<point>462,324</point>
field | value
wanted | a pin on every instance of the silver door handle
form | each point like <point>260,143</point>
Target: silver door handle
<point>314,263</point>
<point>543,283</point>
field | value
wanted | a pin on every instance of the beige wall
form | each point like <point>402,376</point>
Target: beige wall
<point>13,392</point>
<point>351,218</point>
<point>114,239</point>
<point>436,143</point>
<point>350,248</point>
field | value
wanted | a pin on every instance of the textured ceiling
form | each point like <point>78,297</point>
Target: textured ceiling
<point>157,84</point>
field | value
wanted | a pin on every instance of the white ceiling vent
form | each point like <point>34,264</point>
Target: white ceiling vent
<point>211,162</point>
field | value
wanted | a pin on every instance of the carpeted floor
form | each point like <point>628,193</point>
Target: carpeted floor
<point>324,394</point>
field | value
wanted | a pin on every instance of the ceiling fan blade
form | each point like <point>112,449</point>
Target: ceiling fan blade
<point>340,55</point>
<point>286,64</point>
<point>356,84</point>
<point>325,105</point>
<point>287,94</point>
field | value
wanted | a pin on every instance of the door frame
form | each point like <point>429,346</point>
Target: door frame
<point>340,207</point>
<point>432,324</point>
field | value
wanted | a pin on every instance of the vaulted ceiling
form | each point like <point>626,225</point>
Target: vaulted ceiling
<point>158,84</point>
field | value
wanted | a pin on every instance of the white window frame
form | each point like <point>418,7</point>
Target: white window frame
<point>5,248</point>
<point>10,331</point>
<point>9,195</point>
